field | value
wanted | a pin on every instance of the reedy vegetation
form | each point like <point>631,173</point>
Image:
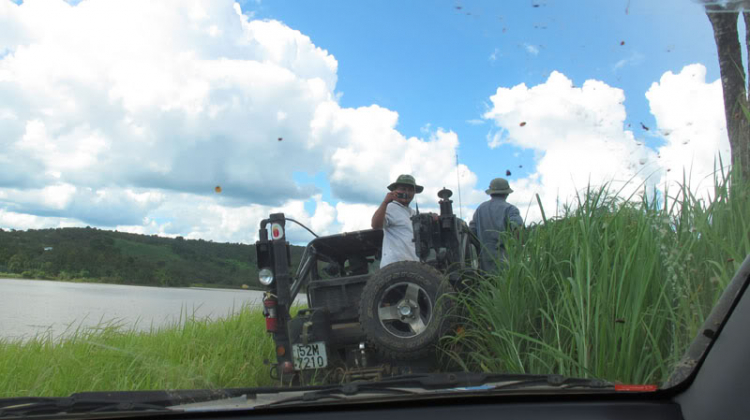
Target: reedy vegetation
<point>192,354</point>
<point>613,289</point>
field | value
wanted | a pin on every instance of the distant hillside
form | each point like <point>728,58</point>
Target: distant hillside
<point>126,258</point>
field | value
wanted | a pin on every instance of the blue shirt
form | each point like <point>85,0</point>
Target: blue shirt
<point>491,219</point>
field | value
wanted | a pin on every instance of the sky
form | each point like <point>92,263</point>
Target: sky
<point>127,115</point>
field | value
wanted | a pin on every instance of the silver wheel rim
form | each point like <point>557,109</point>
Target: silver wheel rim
<point>405,310</point>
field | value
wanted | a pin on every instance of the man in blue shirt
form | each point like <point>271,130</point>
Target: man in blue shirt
<point>491,219</point>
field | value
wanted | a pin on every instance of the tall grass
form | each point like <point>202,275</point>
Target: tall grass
<point>613,289</point>
<point>221,353</point>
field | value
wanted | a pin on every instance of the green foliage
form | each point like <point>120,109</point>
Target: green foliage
<point>615,289</point>
<point>191,354</point>
<point>115,257</point>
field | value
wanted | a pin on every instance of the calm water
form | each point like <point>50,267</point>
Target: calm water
<point>30,307</point>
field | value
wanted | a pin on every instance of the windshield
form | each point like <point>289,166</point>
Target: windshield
<point>538,187</point>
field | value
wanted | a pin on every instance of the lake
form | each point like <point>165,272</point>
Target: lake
<point>31,307</point>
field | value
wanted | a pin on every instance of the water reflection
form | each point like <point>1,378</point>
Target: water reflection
<point>31,307</point>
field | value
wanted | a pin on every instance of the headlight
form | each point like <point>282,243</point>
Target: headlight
<point>265,276</point>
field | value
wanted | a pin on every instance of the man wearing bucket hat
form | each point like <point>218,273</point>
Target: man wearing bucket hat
<point>394,217</point>
<point>491,219</point>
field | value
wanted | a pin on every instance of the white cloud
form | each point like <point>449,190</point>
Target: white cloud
<point>322,220</point>
<point>98,207</point>
<point>531,49</point>
<point>577,133</point>
<point>690,117</point>
<point>370,153</point>
<point>198,217</point>
<point>134,127</point>
<point>497,138</point>
<point>355,216</point>
<point>495,55</point>
<point>22,221</point>
<point>156,101</point>
<point>634,59</point>
<point>579,138</point>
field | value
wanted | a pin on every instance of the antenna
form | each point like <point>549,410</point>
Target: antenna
<point>458,181</point>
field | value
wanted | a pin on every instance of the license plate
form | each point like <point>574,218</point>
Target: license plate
<point>310,356</point>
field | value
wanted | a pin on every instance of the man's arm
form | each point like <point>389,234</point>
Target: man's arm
<point>473,224</point>
<point>514,218</point>
<point>515,221</point>
<point>378,219</point>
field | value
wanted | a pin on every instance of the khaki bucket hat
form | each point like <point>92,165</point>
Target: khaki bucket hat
<point>499,186</point>
<point>406,180</point>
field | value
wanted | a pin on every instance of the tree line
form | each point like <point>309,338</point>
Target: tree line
<point>96,255</point>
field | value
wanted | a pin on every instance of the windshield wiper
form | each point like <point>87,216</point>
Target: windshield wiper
<point>35,406</point>
<point>140,403</point>
<point>436,381</point>
<point>340,393</point>
<point>555,381</point>
<point>444,382</point>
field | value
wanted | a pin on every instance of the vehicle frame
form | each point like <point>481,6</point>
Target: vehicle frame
<point>444,244</point>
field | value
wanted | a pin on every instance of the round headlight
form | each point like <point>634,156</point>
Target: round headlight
<point>265,276</point>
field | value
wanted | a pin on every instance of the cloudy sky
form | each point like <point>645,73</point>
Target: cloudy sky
<point>127,115</point>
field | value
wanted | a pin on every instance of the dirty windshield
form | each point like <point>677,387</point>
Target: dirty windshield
<point>212,195</point>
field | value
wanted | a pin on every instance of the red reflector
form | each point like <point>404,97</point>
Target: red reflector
<point>636,388</point>
<point>277,231</point>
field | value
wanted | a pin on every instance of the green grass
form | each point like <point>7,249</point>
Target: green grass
<point>614,289</point>
<point>221,353</point>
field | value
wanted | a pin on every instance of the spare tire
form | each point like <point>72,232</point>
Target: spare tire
<point>403,310</point>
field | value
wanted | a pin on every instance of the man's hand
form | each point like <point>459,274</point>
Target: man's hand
<point>378,219</point>
<point>390,196</point>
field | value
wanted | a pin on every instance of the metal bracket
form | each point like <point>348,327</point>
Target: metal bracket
<point>305,329</point>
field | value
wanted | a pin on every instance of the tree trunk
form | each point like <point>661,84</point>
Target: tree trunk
<point>742,143</point>
<point>724,24</point>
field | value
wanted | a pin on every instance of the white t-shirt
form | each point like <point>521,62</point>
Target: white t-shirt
<point>398,235</point>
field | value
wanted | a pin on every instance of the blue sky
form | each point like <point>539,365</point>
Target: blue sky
<point>432,61</point>
<point>126,115</point>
